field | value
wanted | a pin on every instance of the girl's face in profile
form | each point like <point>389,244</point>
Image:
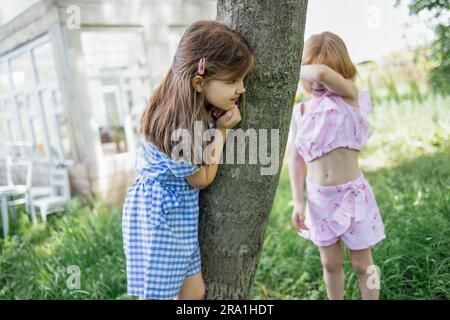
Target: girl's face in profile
<point>224,94</point>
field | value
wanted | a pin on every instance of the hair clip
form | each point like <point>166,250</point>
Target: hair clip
<point>201,66</point>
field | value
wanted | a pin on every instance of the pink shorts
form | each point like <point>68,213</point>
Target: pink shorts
<point>347,211</point>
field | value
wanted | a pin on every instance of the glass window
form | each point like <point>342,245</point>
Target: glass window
<point>22,75</point>
<point>51,122</point>
<point>3,123</point>
<point>45,65</point>
<point>63,125</point>
<point>24,117</point>
<point>4,82</point>
<point>21,112</point>
<point>65,136</point>
<point>36,126</point>
<point>57,125</point>
<point>11,124</point>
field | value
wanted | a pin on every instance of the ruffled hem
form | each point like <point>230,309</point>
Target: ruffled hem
<point>355,201</point>
<point>332,237</point>
<point>330,242</point>
<point>312,233</point>
<point>370,244</point>
<point>331,123</point>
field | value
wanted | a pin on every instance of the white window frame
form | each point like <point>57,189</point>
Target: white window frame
<point>36,90</point>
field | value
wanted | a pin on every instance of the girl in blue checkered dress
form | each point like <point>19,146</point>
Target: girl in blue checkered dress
<point>160,212</point>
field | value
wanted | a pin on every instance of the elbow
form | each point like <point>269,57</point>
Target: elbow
<point>199,185</point>
<point>199,180</point>
<point>295,161</point>
<point>207,183</point>
<point>196,184</point>
<point>291,165</point>
<point>209,178</point>
<point>203,185</point>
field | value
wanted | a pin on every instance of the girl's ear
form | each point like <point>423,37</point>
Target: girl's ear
<point>197,83</point>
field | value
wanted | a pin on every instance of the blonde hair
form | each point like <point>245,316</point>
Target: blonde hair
<point>329,49</point>
<point>175,104</point>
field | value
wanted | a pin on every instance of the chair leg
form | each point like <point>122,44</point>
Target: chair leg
<point>5,216</point>
<point>32,209</point>
<point>13,208</point>
<point>43,214</point>
<point>33,215</point>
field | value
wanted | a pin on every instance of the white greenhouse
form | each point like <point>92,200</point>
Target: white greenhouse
<point>75,77</point>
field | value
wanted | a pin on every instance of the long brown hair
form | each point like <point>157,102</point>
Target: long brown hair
<point>175,104</point>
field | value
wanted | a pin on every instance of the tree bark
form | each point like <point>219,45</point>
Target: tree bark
<point>235,208</point>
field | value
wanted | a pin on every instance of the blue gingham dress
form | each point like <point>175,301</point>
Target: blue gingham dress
<point>160,225</point>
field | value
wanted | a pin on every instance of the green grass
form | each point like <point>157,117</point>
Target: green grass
<point>414,199</point>
<point>35,262</point>
<point>406,162</point>
<point>406,130</point>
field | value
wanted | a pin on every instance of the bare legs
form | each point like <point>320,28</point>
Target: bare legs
<point>368,275</point>
<point>333,272</point>
<point>362,263</point>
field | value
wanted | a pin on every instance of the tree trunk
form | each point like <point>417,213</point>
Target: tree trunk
<point>235,207</point>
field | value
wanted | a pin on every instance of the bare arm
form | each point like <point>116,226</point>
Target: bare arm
<point>331,79</point>
<point>296,167</point>
<point>205,176</point>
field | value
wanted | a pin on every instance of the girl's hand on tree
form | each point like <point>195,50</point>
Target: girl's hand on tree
<point>231,118</point>
<point>298,217</point>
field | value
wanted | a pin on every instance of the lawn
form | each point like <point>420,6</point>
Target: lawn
<point>406,162</point>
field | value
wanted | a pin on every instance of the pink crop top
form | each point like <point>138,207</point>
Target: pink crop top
<point>329,123</point>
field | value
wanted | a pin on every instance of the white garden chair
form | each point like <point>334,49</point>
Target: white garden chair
<point>60,192</point>
<point>18,157</point>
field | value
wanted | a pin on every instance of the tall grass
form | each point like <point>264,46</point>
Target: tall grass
<point>414,199</point>
<point>406,162</point>
<point>37,262</point>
